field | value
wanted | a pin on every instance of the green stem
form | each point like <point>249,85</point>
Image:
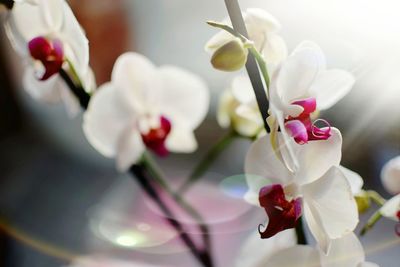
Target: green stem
<point>371,222</point>
<point>208,160</point>
<point>374,196</point>
<point>263,66</point>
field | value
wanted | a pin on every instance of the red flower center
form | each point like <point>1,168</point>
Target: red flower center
<point>49,52</point>
<point>301,128</point>
<point>155,138</point>
<point>282,214</point>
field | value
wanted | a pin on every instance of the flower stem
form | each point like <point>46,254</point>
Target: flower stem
<point>144,180</point>
<point>78,91</point>
<point>157,174</point>
<point>239,26</point>
<point>208,160</point>
<point>374,196</point>
<point>301,236</point>
<point>371,222</point>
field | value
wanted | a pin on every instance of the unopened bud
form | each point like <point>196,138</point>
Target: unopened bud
<point>363,201</point>
<point>231,56</point>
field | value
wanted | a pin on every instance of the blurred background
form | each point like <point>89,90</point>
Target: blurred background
<point>59,198</point>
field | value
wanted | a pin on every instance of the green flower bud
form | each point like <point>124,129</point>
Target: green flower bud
<point>231,56</point>
<point>363,202</point>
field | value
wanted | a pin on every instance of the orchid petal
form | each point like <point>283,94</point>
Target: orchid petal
<point>299,256</point>
<point>317,157</point>
<point>247,120</point>
<point>130,148</point>
<point>136,81</point>
<point>46,91</point>
<point>274,51</point>
<point>75,42</point>
<point>332,205</point>
<point>181,140</point>
<point>242,90</point>
<point>262,167</point>
<point>330,86</point>
<point>355,180</point>
<point>52,13</point>
<point>106,119</point>
<point>367,264</point>
<point>226,104</point>
<point>298,72</point>
<point>297,130</point>
<point>184,97</point>
<point>256,251</point>
<point>391,208</point>
<point>261,19</point>
<point>344,252</point>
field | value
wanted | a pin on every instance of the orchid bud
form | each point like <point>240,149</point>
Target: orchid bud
<point>231,56</point>
<point>390,176</point>
<point>363,201</point>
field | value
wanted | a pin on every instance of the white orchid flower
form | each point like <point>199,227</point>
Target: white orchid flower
<point>145,106</point>
<point>47,33</point>
<point>256,252</point>
<point>300,86</point>
<point>345,252</point>
<point>263,30</point>
<point>318,189</point>
<point>238,108</point>
<point>390,176</point>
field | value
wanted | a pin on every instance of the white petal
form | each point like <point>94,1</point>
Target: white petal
<point>226,106</point>
<point>129,149</point>
<point>181,140</point>
<point>332,205</point>
<point>76,44</point>
<point>390,176</point>
<point>316,157</point>
<point>136,80</point>
<point>52,13</point>
<point>257,17</point>
<point>46,91</point>
<point>297,256</point>
<point>101,261</point>
<point>247,120</point>
<point>24,23</point>
<point>184,97</point>
<point>274,51</point>
<point>330,86</point>
<point>298,72</point>
<point>391,207</point>
<point>256,251</point>
<point>71,103</point>
<point>106,119</point>
<point>262,167</point>
<point>344,252</point>
<point>242,89</point>
<point>355,180</point>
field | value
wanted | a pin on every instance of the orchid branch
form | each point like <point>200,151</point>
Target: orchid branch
<point>371,222</point>
<point>142,176</point>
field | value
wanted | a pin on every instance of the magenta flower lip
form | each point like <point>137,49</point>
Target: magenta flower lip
<point>282,214</point>
<point>49,52</point>
<point>155,138</point>
<point>301,128</point>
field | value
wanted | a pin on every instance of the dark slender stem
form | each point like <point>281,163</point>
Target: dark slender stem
<point>301,237</point>
<point>236,17</point>
<point>143,178</point>
<point>78,91</point>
